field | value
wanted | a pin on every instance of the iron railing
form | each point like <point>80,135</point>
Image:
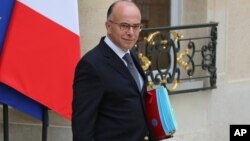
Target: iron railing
<point>182,58</point>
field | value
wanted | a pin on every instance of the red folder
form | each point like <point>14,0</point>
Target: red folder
<point>153,116</point>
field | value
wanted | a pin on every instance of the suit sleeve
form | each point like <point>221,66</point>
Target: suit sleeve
<point>87,94</point>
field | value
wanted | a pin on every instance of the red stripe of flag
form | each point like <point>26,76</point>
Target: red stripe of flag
<point>10,96</point>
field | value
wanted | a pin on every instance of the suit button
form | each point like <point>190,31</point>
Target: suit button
<point>146,138</point>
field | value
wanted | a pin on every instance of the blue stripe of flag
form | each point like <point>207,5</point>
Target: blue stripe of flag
<point>18,101</point>
<point>9,95</point>
<point>6,7</point>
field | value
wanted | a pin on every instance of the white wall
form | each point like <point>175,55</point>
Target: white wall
<point>92,22</point>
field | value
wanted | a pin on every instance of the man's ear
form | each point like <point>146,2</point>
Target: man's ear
<point>108,26</point>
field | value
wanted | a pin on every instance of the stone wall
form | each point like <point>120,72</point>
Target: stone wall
<point>207,115</point>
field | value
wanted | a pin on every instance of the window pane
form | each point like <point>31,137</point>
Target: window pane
<point>155,13</point>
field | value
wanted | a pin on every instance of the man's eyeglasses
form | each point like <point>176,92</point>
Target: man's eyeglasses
<point>126,26</point>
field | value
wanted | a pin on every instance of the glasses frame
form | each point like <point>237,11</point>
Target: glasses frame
<point>126,26</point>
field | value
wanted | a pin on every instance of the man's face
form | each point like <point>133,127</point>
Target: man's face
<point>124,26</point>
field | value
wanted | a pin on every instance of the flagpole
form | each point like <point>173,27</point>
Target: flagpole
<point>5,123</point>
<point>45,123</point>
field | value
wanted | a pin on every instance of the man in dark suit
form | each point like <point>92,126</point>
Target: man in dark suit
<point>108,100</point>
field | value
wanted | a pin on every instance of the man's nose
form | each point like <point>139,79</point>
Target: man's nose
<point>131,30</point>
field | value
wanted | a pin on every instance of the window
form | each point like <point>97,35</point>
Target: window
<point>155,13</point>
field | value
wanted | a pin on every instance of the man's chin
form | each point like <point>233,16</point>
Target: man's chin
<point>127,47</point>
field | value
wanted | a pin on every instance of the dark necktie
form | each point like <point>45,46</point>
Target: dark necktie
<point>132,69</point>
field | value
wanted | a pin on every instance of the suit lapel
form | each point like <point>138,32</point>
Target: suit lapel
<point>144,87</point>
<point>114,61</point>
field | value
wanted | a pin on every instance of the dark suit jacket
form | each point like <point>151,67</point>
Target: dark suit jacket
<point>107,105</point>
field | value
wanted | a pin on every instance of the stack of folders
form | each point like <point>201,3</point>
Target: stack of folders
<point>160,114</point>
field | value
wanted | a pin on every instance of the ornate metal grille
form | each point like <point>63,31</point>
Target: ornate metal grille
<point>183,58</point>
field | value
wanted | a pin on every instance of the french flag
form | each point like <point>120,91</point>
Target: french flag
<point>40,51</point>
